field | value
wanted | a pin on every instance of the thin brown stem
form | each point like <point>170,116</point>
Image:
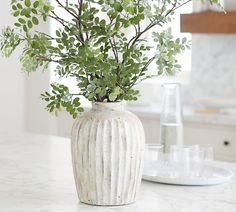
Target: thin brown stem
<point>49,36</point>
<point>114,50</point>
<point>143,69</point>
<point>65,8</point>
<point>80,24</point>
<point>63,23</point>
<point>46,59</point>
<point>57,19</point>
<point>180,5</point>
<point>77,17</point>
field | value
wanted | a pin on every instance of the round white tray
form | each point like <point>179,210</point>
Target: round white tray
<point>210,175</point>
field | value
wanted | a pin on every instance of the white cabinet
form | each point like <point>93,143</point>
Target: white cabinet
<point>221,137</point>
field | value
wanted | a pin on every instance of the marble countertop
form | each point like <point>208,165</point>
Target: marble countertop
<point>36,176</point>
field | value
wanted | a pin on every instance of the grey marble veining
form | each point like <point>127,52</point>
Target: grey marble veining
<point>213,66</point>
<point>36,176</point>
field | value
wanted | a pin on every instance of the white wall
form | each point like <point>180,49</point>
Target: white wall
<point>37,119</point>
<point>20,106</point>
<point>11,85</point>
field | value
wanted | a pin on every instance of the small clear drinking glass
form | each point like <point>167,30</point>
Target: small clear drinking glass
<point>153,158</point>
<point>153,152</point>
<point>197,161</point>
<point>209,154</point>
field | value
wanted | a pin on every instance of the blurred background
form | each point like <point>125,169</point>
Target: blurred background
<point>208,82</point>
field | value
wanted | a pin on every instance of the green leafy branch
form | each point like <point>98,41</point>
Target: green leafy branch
<point>62,98</point>
<point>101,43</point>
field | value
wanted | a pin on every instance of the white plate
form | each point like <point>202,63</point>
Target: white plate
<point>210,175</point>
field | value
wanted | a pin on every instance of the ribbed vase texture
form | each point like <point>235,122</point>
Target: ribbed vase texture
<point>107,151</point>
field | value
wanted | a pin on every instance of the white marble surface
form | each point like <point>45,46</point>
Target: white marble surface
<point>36,176</point>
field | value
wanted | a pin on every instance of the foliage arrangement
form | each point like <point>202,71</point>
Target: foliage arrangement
<point>101,43</point>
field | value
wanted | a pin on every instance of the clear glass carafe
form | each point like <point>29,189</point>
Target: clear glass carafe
<point>171,120</point>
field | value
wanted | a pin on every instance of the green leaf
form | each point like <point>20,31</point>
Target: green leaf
<point>76,102</point>
<point>19,6</point>
<point>51,109</point>
<point>25,28</point>
<point>17,24</point>
<point>27,3</point>
<point>184,40</point>
<point>112,97</point>
<point>103,22</point>
<point>14,7</point>
<point>44,17</point>
<point>80,109</point>
<point>17,13</point>
<point>26,12</point>
<point>46,8</point>
<point>34,11</point>
<point>30,25</point>
<point>74,115</point>
<point>22,21</point>
<point>36,4</point>
<point>141,9</point>
<point>35,20</point>
<point>118,7</point>
<point>58,33</point>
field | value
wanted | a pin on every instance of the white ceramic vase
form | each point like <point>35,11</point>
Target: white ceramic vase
<point>107,151</point>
